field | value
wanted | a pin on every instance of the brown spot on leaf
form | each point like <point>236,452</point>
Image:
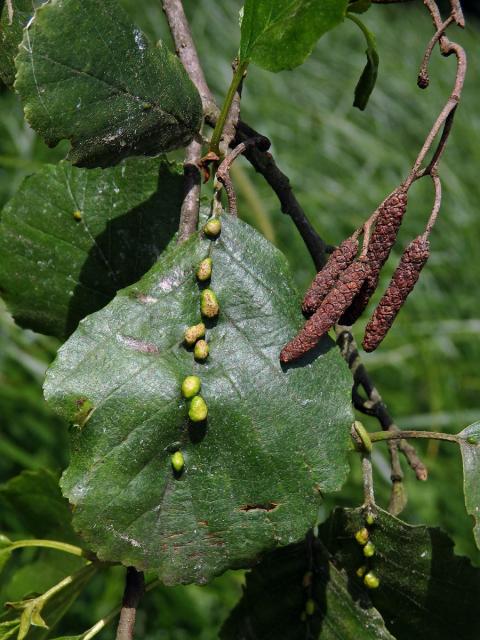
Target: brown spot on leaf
<point>266,506</point>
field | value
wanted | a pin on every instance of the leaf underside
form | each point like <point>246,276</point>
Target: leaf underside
<point>56,268</point>
<point>470,448</point>
<point>87,74</point>
<point>275,438</point>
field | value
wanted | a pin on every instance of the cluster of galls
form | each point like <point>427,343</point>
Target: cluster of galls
<point>194,336</point>
<point>365,572</point>
<point>341,291</point>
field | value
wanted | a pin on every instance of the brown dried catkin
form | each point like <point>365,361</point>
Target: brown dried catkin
<point>401,285</point>
<point>325,279</point>
<point>383,238</point>
<point>330,310</point>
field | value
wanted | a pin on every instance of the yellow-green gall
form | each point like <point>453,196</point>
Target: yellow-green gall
<point>209,304</point>
<point>361,571</point>
<point>177,461</point>
<point>371,581</point>
<point>370,518</point>
<point>198,409</point>
<point>369,549</point>
<point>194,333</point>
<point>213,227</point>
<point>204,270</point>
<point>200,352</point>
<point>191,386</point>
<point>310,607</point>
<point>77,215</point>
<point>361,536</point>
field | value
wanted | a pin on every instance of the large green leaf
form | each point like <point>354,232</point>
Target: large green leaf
<point>470,448</point>
<point>425,590</point>
<point>11,32</point>
<point>280,34</point>
<point>275,438</point>
<point>86,73</point>
<point>276,593</point>
<point>368,79</point>
<point>54,268</point>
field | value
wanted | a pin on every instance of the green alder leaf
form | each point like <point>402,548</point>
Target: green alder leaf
<point>275,438</point>
<point>9,628</point>
<point>470,448</point>
<point>11,33</point>
<point>277,590</point>
<point>86,73</point>
<point>280,34</point>
<point>368,79</point>
<point>5,551</point>
<point>359,6</point>
<point>425,590</point>
<point>71,237</point>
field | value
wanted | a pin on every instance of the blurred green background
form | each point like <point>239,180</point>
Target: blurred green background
<point>342,163</point>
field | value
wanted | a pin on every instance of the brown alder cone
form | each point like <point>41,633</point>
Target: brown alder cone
<point>383,238</point>
<point>325,279</point>
<point>402,283</point>
<point>330,310</point>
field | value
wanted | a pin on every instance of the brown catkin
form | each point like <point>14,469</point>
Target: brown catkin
<point>402,283</point>
<point>325,279</point>
<point>389,219</point>
<point>330,310</point>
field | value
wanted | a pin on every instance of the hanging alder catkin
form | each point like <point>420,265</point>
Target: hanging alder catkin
<point>388,222</point>
<point>330,310</point>
<point>401,284</point>
<point>325,279</point>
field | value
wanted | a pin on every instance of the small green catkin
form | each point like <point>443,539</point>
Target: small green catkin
<point>194,333</point>
<point>201,350</point>
<point>213,227</point>
<point>209,306</point>
<point>204,270</point>
<point>178,462</point>
<point>191,386</point>
<point>198,409</point>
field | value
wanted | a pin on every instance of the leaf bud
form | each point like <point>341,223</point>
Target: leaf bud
<point>177,461</point>
<point>198,409</point>
<point>213,227</point>
<point>209,304</point>
<point>200,352</point>
<point>361,536</point>
<point>371,581</point>
<point>193,333</point>
<point>191,386</point>
<point>204,270</point>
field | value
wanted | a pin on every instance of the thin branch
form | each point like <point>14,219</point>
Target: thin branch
<point>192,182</point>
<point>231,123</point>
<point>436,205</point>
<point>367,474</point>
<point>134,590</point>
<point>423,78</point>
<point>457,13</point>
<point>380,436</point>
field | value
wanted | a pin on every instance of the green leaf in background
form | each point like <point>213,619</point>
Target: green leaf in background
<point>280,34</point>
<point>274,441</point>
<point>277,590</point>
<point>86,73</point>
<point>470,448</point>
<point>425,590</point>
<point>11,33</point>
<point>64,255</point>
<point>9,628</point>
<point>368,79</point>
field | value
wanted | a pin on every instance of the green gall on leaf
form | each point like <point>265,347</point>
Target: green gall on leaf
<point>370,518</point>
<point>77,215</point>
<point>204,270</point>
<point>84,408</point>
<point>178,461</point>
<point>198,409</point>
<point>209,304</point>
<point>371,581</point>
<point>310,607</point>
<point>472,440</point>
<point>191,386</point>
<point>201,350</point>
<point>303,616</point>
<point>361,536</point>
<point>361,571</point>
<point>213,227</point>
<point>369,549</point>
<point>194,333</point>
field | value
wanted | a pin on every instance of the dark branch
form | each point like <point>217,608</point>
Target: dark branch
<point>134,590</point>
<point>192,182</point>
